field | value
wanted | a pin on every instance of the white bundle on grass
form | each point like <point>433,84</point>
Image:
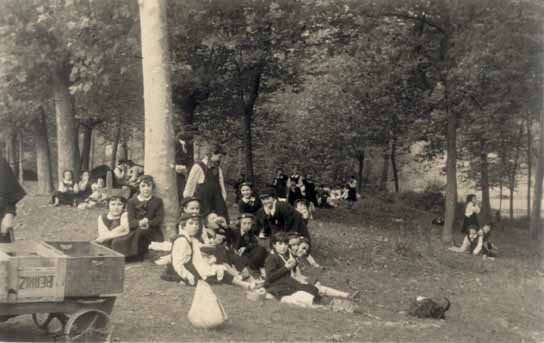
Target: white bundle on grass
<point>299,298</point>
<point>206,310</point>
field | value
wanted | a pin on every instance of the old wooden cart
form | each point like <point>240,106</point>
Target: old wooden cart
<point>69,288</point>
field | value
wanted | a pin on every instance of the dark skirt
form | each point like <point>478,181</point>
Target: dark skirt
<point>470,221</point>
<point>287,286</point>
<point>136,242</point>
<point>352,194</point>
<point>65,198</point>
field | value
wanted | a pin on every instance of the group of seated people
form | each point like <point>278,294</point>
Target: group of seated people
<point>296,187</point>
<point>88,193</point>
<point>262,251</point>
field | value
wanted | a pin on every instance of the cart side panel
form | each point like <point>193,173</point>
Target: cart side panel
<point>32,273</point>
<point>91,269</point>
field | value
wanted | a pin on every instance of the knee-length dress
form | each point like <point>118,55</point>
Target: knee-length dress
<point>279,281</point>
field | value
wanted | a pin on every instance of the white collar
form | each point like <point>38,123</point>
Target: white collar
<point>141,198</point>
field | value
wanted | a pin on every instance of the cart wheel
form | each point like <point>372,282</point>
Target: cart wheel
<point>52,323</point>
<point>88,326</point>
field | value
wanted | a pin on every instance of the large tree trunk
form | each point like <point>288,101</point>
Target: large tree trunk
<point>451,174</point>
<point>484,183</point>
<point>529,163</point>
<point>115,145</point>
<point>77,154</point>
<point>536,223</point>
<point>11,150</point>
<point>159,132</point>
<point>64,108</point>
<point>43,157</point>
<point>86,148</point>
<point>394,163</point>
<point>248,145</point>
<point>249,108</point>
<point>361,165</point>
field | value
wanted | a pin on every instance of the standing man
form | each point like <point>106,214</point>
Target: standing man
<point>181,163</point>
<point>280,184</point>
<point>206,182</point>
<point>11,193</point>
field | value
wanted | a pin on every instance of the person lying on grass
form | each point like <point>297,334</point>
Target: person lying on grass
<point>212,223</point>
<point>113,224</point>
<point>473,243</point>
<point>299,248</point>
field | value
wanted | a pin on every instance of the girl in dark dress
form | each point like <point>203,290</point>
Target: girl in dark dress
<point>279,267</point>
<point>11,193</point>
<point>352,189</point>
<point>244,243</point>
<point>84,186</point>
<point>471,213</point>
<point>145,217</point>
<point>248,203</point>
<point>66,194</point>
<point>113,225</point>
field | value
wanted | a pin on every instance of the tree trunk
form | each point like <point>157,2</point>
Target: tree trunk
<point>451,175</point>
<point>11,150</point>
<point>43,157</point>
<point>159,132</point>
<point>115,145</point>
<point>500,196</point>
<point>536,223</point>
<point>514,172</point>
<point>529,163</point>
<point>86,148</point>
<point>361,162</point>
<point>77,155</point>
<point>394,163</point>
<point>484,183</point>
<point>21,156</point>
<point>248,145</point>
<point>65,117</point>
<point>385,169</point>
<point>249,108</point>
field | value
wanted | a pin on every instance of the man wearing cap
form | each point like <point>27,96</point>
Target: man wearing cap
<point>206,182</point>
<point>277,216</point>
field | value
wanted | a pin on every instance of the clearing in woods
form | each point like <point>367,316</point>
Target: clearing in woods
<point>364,248</point>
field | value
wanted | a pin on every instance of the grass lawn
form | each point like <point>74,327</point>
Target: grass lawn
<point>364,248</point>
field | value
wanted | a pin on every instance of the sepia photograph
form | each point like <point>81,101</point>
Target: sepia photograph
<point>271,171</point>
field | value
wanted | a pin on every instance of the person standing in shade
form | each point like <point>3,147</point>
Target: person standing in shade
<point>181,163</point>
<point>11,193</point>
<point>206,182</point>
<point>280,184</point>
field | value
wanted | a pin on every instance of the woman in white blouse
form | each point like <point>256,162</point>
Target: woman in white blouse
<point>472,209</point>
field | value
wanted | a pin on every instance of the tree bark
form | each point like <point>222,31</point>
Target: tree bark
<point>361,163</point>
<point>43,157</point>
<point>529,163</point>
<point>11,150</point>
<point>249,108</point>
<point>514,172</point>
<point>77,154</point>
<point>394,163</point>
<point>115,146</point>
<point>536,223</point>
<point>385,168</point>
<point>451,173</point>
<point>86,148</point>
<point>159,132</point>
<point>484,183</point>
<point>65,117</point>
<point>20,154</point>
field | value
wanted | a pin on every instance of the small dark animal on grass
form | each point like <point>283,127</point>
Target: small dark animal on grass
<point>423,307</point>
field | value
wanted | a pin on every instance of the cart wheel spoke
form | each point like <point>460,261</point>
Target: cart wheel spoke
<point>88,326</point>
